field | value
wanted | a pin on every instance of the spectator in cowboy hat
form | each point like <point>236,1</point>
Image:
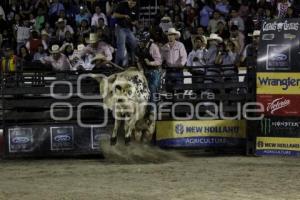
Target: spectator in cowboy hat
<point>57,60</point>
<point>174,55</point>
<point>165,24</point>
<point>214,46</point>
<point>62,28</point>
<point>213,43</point>
<point>249,55</point>
<point>92,43</point>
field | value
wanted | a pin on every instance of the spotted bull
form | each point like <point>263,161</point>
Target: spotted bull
<point>127,94</point>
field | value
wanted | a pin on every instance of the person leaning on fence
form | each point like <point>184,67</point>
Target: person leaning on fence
<point>196,59</point>
<point>212,72</point>
<point>57,60</point>
<point>149,56</point>
<point>249,55</point>
<point>175,56</point>
<point>228,59</point>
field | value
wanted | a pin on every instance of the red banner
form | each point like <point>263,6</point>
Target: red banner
<point>280,105</point>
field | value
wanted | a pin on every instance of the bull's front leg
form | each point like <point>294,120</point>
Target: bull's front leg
<point>129,126</point>
<point>113,139</point>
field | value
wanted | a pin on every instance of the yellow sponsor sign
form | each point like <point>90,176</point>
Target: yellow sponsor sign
<point>274,143</point>
<point>278,83</point>
<point>200,128</point>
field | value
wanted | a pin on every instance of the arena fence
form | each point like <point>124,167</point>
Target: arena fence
<point>40,111</point>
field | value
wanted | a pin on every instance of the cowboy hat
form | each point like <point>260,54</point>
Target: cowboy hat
<point>60,20</point>
<point>99,56</point>
<point>214,36</point>
<point>172,31</point>
<point>65,45</point>
<point>44,33</point>
<point>80,47</point>
<point>55,49</point>
<point>256,33</point>
<point>92,39</point>
<point>166,18</point>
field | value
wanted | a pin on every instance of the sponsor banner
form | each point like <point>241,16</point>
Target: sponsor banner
<point>178,133</point>
<point>280,105</point>
<point>100,134</point>
<point>202,142</point>
<point>279,46</point>
<point>277,146</point>
<point>62,138</point>
<point>278,83</point>
<point>20,140</point>
<point>280,127</point>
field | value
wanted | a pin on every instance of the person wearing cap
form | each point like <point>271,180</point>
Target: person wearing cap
<point>249,55</point>
<point>149,56</point>
<point>174,55</point>
<point>196,59</point>
<point>62,28</point>
<point>57,60</point>
<point>126,18</point>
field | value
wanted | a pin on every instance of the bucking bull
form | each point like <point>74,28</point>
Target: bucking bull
<point>127,94</point>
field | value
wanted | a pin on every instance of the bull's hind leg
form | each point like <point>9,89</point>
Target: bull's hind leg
<point>113,139</point>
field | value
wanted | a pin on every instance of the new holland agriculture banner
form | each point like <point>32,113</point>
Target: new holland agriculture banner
<point>278,83</point>
<point>215,133</point>
<point>278,146</point>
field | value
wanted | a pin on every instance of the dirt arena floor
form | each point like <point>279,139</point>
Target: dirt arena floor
<point>165,176</point>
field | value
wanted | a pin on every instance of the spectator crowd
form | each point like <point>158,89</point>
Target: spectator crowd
<point>87,34</point>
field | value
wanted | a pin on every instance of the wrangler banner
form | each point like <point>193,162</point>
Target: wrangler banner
<point>215,133</point>
<point>278,83</point>
<point>280,105</point>
<point>278,146</point>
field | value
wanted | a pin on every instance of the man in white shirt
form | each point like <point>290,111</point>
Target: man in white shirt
<point>174,55</point>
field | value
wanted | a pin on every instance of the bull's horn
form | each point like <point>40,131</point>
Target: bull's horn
<point>115,65</point>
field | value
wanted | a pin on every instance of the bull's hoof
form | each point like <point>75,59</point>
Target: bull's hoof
<point>127,140</point>
<point>113,141</point>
